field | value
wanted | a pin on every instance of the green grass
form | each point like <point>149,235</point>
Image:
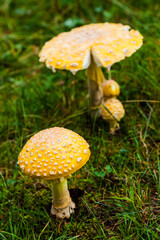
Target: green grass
<point>118,191</point>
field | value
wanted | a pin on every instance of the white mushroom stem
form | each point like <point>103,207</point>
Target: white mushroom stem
<point>95,79</point>
<point>109,73</point>
<point>62,205</point>
<point>113,126</point>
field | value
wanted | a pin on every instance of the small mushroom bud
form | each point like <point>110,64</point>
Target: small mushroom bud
<point>54,154</point>
<point>112,111</point>
<point>110,89</point>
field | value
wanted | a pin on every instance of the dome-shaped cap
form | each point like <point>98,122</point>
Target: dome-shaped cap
<point>110,88</point>
<point>115,110</point>
<point>107,42</point>
<point>53,153</point>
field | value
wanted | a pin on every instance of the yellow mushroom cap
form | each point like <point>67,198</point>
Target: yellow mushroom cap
<point>110,88</point>
<point>115,108</point>
<point>53,153</point>
<point>107,42</point>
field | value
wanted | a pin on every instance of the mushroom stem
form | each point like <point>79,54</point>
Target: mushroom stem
<point>109,74</point>
<point>62,205</point>
<point>95,79</point>
<point>113,126</point>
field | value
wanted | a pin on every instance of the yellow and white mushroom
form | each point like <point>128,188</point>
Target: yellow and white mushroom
<point>91,47</point>
<point>110,89</point>
<point>54,154</point>
<point>112,111</point>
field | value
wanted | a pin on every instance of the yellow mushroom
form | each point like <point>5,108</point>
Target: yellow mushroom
<point>112,111</point>
<point>90,47</point>
<point>54,154</point>
<point>110,89</point>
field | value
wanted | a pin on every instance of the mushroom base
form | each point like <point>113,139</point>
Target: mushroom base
<point>63,212</point>
<point>113,126</point>
<point>62,205</point>
<point>95,93</point>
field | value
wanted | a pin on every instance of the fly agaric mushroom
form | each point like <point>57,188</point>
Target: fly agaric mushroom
<point>90,47</point>
<point>112,111</point>
<point>54,154</point>
<point>110,89</point>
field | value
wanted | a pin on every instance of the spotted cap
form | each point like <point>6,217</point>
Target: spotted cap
<point>115,110</point>
<point>53,153</point>
<point>107,42</point>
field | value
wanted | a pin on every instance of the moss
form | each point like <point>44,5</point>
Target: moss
<point>39,198</point>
